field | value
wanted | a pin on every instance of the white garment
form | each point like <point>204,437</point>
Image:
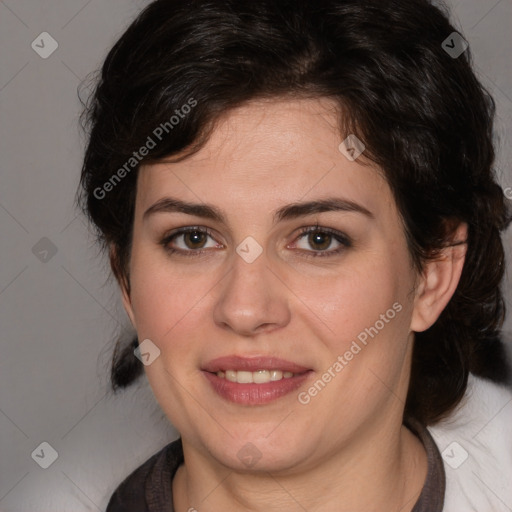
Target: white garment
<point>476,445</point>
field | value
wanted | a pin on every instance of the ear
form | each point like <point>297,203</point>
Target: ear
<point>123,282</point>
<point>439,280</point>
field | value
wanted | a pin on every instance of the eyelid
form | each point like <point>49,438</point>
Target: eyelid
<point>171,235</point>
<point>343,239</point>
<point>331,231</point>
<point>340,237</point>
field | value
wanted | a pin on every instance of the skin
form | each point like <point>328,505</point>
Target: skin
<point>347,448</point>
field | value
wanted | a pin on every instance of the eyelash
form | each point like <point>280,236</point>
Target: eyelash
<point>341,238</point>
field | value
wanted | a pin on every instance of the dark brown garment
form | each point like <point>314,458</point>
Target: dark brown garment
<point>149,489</point>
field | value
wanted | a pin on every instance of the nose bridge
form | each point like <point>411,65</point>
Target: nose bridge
<point>251,295</point>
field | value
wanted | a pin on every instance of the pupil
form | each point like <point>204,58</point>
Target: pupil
<point>321,239</point>
<point>195,237</point>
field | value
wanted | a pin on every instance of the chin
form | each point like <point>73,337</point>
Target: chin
<point>256,453</point>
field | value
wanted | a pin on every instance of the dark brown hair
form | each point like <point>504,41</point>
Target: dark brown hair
<point>424,117</point>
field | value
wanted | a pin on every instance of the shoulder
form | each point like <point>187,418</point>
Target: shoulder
<point>132,492</point>
<point>476,446</point>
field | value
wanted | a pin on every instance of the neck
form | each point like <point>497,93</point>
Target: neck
<point>388,468</point>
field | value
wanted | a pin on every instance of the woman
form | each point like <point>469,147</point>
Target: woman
<point>299,205</point>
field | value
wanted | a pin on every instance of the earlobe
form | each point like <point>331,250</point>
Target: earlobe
<point>439,281</point>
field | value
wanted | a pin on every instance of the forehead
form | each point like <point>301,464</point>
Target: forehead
<point>272,152</point>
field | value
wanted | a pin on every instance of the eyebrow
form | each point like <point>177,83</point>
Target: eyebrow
<point>290,211</point>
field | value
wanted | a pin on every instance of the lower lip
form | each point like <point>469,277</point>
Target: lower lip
<point>255,394</point>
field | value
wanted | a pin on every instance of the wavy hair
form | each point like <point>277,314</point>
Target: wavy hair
<point>425,118</point>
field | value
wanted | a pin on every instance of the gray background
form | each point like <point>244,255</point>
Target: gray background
<point>59,317</point>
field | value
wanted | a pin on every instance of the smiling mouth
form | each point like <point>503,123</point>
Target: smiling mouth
<point>254,380</point>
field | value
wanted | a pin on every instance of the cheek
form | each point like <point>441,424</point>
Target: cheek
<point>354,298</point>
<point>160,296</point>
<point>363,318</point>
<point>163,301</point>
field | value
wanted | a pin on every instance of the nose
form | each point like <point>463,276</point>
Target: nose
<point>252,298</point>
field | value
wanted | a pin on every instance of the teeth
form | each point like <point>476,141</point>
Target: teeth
<point>258,377</point>
<point>230,375</point>
<point>276,375</point>
<point>244,377</point>
<point>261,376</point>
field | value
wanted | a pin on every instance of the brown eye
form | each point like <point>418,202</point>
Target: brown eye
<point>189,241</point>
<point>320,241</point>
<point>194,239</point>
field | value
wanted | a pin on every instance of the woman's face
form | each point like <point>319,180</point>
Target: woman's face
<point>258,292</point>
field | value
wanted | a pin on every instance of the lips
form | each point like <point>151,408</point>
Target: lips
<point>254,380</point>
<point>252,364</point>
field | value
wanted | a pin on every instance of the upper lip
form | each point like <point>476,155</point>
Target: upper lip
<point>252,364</point>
